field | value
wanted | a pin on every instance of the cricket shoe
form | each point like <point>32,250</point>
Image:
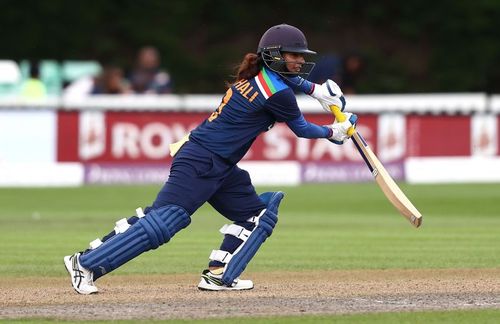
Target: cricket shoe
<point>212,281</point>
<point>81,278</point>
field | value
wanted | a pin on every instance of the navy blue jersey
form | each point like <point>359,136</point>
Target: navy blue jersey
<point>248,108</point>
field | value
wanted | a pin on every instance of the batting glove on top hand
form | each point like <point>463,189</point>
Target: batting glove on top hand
<point>340,129</point>
<point>329,94</point>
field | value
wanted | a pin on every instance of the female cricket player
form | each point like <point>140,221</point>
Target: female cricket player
<point>204,168</point>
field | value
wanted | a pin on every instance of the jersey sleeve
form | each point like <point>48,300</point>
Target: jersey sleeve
<point>300,84</point>
<point>302,128</point>
<point>283,106</point>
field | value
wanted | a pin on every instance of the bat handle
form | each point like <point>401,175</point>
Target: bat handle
<point>339,116</point>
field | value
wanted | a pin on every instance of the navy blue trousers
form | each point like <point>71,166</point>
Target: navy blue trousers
<point>198,176</point>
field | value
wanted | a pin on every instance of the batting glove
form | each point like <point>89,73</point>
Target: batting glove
<point>329,94</point>
<point>339,129</point>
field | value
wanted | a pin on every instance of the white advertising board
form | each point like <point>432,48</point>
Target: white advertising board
<point>27,136</point>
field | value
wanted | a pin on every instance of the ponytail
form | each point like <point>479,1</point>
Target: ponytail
<point>250,66</point>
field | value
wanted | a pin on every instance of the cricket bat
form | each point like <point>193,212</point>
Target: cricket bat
<point>391,190</point>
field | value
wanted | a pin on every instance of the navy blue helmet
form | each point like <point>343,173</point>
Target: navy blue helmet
<point>284,38</point>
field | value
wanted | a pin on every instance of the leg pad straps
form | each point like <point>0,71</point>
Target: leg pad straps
<point>265,222</point>
<point>247,250</point>
<point>149,232</point>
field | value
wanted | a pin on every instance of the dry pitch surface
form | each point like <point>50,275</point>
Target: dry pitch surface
<point>283,293</point>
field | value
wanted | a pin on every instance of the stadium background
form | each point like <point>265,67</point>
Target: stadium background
<point>429,106</point>
<point>446,50</point>
<point>418,46</point>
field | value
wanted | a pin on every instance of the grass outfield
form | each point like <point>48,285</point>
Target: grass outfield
<point>452,317</point>
<point>347,227</point>
<point>321,227</point>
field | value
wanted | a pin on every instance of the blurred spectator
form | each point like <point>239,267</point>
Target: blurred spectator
<point>79,88</point>
<point>352,68</point>
<point>147,75</point>
<point>327,67</point>
<point>33,87</point>
<point>110,81</point>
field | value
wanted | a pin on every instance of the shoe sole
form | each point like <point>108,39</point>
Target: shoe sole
<point>224,289</point>
<point>67,265</point>
<point>220,288</point>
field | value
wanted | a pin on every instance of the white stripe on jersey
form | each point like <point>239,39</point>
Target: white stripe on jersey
<point>261,88</point>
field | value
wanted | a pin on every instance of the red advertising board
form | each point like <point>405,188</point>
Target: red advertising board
<point>439,135</point>
<point>133,136</point>
<point>124,137</point>
<point>95,136</point>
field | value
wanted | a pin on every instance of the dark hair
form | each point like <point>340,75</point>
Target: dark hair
<point>248,68</point>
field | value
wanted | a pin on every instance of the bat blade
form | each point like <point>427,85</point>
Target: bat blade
<point>389,187</point>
